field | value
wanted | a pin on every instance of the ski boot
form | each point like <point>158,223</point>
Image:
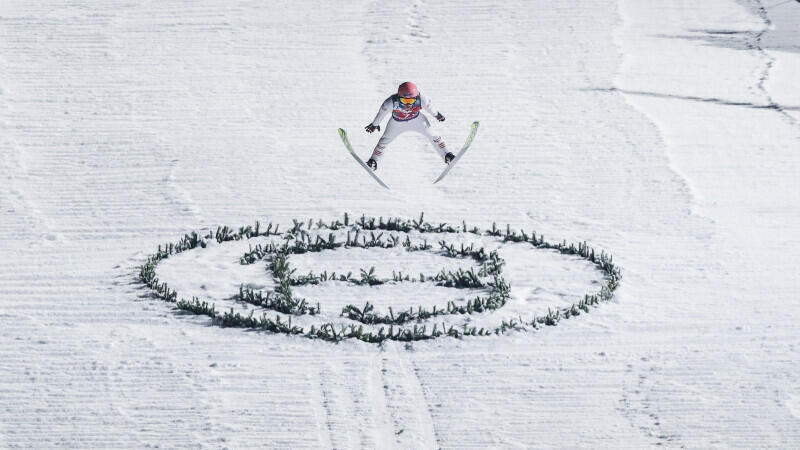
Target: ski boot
<point>448,157</point>
<point>372,164</point>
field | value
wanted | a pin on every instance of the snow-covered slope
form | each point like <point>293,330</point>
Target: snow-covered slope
<point>665,133</point>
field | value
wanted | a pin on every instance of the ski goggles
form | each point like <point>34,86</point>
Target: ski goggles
<point>408,101</point>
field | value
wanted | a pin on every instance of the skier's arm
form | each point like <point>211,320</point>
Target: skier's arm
<point>375,124</point>
<point>427,105</point>
<point>385,108</point>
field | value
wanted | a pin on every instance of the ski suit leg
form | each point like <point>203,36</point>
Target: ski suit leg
<point>423,126</point>
<point>393,129</point>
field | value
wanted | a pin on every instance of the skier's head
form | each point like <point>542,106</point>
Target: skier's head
<point>408,90</point>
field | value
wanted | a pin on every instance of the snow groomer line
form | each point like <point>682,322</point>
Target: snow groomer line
<point>361,321</point>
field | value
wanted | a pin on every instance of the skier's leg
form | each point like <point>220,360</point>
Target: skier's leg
<point>392,131</point>
<point>423,126</point>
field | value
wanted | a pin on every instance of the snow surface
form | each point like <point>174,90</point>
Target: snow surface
<point>663,132</point>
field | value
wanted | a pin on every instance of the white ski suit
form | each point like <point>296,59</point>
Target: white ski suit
<point>406,118</point>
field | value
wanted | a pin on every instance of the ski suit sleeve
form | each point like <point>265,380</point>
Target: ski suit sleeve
<point>385,108</point>
<point>427,105</point>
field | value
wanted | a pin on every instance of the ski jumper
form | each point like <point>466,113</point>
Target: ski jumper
<point>406,118</point>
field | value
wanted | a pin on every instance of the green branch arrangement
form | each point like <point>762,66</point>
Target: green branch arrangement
<point>362,234</point>
<point>487,277</point>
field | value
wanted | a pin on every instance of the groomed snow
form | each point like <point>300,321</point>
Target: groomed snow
<point>663,132</point>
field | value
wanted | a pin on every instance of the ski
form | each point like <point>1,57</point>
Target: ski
<point>343,135</point>
<point>461,152</point>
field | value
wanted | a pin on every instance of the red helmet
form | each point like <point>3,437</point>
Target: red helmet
<point>408,90</point>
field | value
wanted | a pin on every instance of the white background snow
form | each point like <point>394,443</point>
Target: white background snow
<point>664,132</point>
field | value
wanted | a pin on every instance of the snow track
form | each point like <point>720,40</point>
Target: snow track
<point>630,124</point>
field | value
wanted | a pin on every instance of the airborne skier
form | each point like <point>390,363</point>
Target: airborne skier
<point>406,106</point>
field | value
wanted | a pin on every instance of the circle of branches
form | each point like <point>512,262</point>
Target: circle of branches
<point>373,233</point>
<point>299,241</point>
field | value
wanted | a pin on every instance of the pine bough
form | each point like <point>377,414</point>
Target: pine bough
<point>362,234</point>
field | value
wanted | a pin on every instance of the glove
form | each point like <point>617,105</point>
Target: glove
<point>439,117</point>
<point>370,128</point>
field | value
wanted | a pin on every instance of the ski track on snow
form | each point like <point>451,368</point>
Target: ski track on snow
<point>124,124</point>
<point>769,62</point>
<point>644,401</point>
